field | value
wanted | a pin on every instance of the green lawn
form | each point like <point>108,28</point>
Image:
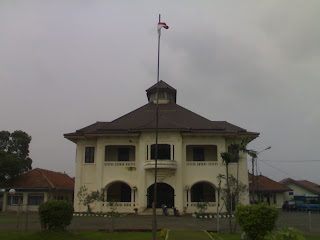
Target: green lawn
<point>314,236</point>
<point>7,220</point>
<point>75,235</point>
<point>188,235</point>
<point>230,236</point>
<point>98,235</point>
<point>237,236</point>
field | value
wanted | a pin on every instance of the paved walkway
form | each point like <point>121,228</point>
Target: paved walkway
<point>299,220</point>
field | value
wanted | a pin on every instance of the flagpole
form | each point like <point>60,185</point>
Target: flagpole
<point>154,225</point>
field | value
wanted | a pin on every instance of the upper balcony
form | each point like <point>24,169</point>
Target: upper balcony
<point>165,158</point>
<point>161,164</point>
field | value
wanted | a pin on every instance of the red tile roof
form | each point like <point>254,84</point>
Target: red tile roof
<point>264,184</point>
<point>41,178</point>
<point>312,187</point>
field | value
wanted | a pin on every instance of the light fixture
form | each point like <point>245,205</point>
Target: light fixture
<point>12,191</point>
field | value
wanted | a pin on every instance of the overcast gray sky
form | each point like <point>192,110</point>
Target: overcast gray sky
<point>67,64</point>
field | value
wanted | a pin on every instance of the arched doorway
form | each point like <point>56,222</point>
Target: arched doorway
<point>165,195</point>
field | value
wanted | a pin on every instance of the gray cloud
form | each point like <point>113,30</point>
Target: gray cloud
<point>65,65</point>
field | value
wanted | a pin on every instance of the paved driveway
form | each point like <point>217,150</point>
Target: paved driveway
<point>299,220</point>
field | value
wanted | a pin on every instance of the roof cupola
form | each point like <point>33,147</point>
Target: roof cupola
<point>167,94</point>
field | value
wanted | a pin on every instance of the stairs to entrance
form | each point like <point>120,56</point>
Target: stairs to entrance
<point>149,212</point>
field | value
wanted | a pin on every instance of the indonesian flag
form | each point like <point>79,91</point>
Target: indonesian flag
<point>162,25</point>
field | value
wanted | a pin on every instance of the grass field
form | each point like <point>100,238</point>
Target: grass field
<point>98,235</point>
<point>188,235</point>
<point>92,235</point>
<point>237,236</point>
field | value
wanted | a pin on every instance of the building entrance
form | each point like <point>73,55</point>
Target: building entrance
<point>165,195</point>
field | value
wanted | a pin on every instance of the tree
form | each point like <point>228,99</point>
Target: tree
<point>232,190</point>
<point>86,199</point>
<point>98,196</point>
<point>227,158</point>
<point>14,154</point>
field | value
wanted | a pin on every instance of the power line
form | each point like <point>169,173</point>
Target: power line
<point>280,170</point>
<point>292,160</point>
<point>313,177</point>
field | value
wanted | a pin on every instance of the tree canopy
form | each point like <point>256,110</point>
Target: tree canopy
<point>14,154</point>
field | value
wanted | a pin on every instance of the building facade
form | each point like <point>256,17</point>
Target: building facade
<point>119,156</point>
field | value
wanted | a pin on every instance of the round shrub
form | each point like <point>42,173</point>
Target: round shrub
<point>257,220</point>
<point>55,215</point>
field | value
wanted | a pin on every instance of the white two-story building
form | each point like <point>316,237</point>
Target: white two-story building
<point>119,156</point>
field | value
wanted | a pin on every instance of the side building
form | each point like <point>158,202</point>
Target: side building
<point>267,190</point>
<point>32,188</point>
<point>300,187</point>
<point>120,156</point>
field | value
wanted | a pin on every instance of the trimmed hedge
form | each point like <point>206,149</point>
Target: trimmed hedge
<point>55,215</point>
<point>257,220</point>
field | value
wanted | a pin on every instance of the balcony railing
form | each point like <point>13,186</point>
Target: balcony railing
<point>202,163</point>
<point>161,164</point>
<point>119,164</point>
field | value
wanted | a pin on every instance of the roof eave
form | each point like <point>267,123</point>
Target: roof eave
<point>269,191</point>
<point>129,134</point>
<point>73,138</point>
<point>223,134</point>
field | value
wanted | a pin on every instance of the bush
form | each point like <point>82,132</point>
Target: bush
<point>55,215</point>
<point>163,233</point>
<point>256,220</point>
<point>286,233</point>
<point>202,206</point>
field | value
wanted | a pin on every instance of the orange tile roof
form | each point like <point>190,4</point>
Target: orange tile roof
<point>312,187</point>
<point>264,184</point>
<point>41,178</point>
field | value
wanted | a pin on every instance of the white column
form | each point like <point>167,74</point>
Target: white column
<point>24,201</point>
<point>78,183</point>
<point>141,151</point>
<point>5,200</point>
<point>180,185</point>
<point>99,162</point>
<point>171,152</point>
<point>45,196</point>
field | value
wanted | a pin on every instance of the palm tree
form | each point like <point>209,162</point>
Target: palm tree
<point>219,178</point>
<point>233,155</point>
<point>236,149</point>
<point>227,158</point>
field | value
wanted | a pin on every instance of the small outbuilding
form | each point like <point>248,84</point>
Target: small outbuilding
<point>300,187</point>
<point>32,188</point>
<point>267,190</point>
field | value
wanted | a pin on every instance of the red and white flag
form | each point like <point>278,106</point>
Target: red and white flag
<point>162,25</point>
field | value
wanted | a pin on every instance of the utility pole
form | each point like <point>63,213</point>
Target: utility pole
<point>254,158</point>
<point>253,182</point>
<point>154,204</point>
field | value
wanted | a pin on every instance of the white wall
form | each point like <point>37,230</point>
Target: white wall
<point>100,174</point>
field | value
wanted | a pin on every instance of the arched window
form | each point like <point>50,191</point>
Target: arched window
<point>119,192</point>
<point>203,191</point>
